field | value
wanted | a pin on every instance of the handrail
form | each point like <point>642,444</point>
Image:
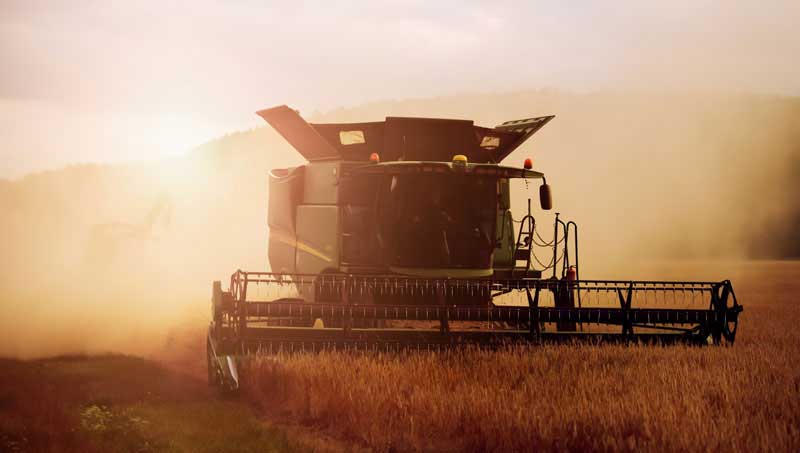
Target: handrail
<point>240,277</point>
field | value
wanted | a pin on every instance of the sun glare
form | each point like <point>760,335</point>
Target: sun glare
<point>170,135</point>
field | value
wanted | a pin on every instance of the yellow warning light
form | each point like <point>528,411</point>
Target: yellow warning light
<point>460,159</point>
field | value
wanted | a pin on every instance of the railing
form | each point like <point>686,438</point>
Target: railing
<point>701,308</point>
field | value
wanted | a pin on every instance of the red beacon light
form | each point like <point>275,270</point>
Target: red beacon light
<point>374,158</point>
<point>528,164</point>
<point>572,273</point>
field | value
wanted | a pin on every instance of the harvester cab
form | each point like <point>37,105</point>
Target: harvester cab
<point>399,234</point>
<point>407,196</point>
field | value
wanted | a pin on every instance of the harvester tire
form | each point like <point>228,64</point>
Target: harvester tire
<point>213,375</point>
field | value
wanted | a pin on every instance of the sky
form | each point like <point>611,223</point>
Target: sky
<point>112,81</point>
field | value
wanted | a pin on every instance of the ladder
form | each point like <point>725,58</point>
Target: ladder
<point>522,247</point>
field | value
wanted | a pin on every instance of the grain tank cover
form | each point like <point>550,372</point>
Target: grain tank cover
<point>400,138</point>
<point>299,133</point>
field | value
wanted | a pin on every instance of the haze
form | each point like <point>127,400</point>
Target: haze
<point>106,82</point>
<point>677,137</point>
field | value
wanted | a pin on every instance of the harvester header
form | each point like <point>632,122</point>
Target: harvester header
<point>399,234</point>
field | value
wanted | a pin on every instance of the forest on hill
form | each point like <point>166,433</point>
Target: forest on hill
<point>647,177</point>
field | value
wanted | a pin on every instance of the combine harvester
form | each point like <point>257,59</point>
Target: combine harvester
<point>399,235</point>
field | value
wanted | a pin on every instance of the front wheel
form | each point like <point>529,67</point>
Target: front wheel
<point>211,362</point>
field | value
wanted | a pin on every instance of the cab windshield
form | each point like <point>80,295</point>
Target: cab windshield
<point>438,221</point>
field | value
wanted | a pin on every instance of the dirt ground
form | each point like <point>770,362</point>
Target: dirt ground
<point>566,397</point>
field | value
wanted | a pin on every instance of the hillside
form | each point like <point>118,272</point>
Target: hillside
<point>90,248</point>
<point>646,177</point>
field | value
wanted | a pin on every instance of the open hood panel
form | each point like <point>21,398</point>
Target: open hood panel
<point>305,139</point>
<point>402,139</point>
<point>518,131</point>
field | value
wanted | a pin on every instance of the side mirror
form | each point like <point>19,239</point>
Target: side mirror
<point>545,197</point>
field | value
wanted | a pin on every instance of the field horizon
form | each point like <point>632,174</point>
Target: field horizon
<point>121,258</point>
<point>547,215</point>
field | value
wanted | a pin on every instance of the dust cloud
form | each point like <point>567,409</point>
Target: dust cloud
<point>121,258</point>
<point>648,176</point>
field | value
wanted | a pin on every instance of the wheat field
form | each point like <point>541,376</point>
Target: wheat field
<point>561,397</point>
